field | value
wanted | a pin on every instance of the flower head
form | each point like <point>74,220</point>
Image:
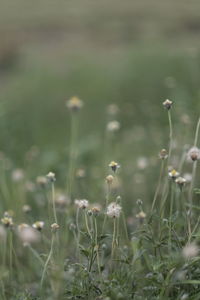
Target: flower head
<point>27,234</point>
<point>114,166</point>
<point>7,220</point>
<point>180,181</point>
<point>193,154</point>
<point>83,203</point>
<point>109,179</point>
<point>51,177</point>
<point>113,126</point>
<point>42,181</point>
<point>163,154</point>
<point>173,174</point>
<point>113,210</point>
<point>38,225</point>
<point>167,104</point>
<point>54,227</point>
<point>141,215</point>
<point>74,104</point>
<point>190,250</point>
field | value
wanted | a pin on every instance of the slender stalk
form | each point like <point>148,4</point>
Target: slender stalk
<point>97,246</point>
<point>73,153</point>
<point>10,253</point>
<point>48,259</point>
<point>78,233</point>
<point>53,202</point>
<point>190,195</point>
<point>158,186</point>
<point>36,254</point>
<point>107,201</point>
<point>170,217</point>
<point>86,224</point>
<point>114,239</point>
<point>170,134</point>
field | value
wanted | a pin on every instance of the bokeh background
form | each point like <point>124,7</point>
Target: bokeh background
<point>131,53</point>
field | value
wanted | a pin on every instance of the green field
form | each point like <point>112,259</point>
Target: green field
<point>133,54</point>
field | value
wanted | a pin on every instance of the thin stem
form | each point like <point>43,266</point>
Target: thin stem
<point>10,252</point>
<point>170,134</point>
<point>158,186</point>
<point>36,254</point>
<point>78,232</point>
<point>47,261</point>
<point>86,224</point>
<point>170,216</point>
<point>72,155</point>
<point>114,238</point>
<point>53,202</point>
<point>97,246</point>
<point>107,201</point>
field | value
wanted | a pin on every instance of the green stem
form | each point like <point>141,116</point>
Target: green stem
<point>47,261</point>
<point>53,202</point>
<point>97,247</point>
<point>170,216</point>
<point>158,186</point>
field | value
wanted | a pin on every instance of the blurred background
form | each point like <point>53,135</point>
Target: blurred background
<point>131,53</point>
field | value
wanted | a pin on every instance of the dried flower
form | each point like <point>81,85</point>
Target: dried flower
<point>54,227</point>
<point>74,104</point>
<point>141,215</point>
<point>113,126</point>
<point>163,154</point>
<point>27,234</point>
<point>26,208</point>
<point>17,175</point>
<point>62,200</point>
<point>113,210</point>
<point>51,177</point>
<point>193,154</point>
<point>167,104</point>
<point>174,174</point>
<point>180,181</point>
<point>38,225</point>
<point>83,204</point>
<point>114,166</point>
<point>42,181</point>
<point>190,251</point>
<point>96,210</point>
<point>7,221</point>
<point>109,179</point>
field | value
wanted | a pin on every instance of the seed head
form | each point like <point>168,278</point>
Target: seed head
<point>113,210</point>
<point>180,181</point>
<point>114,166</point>
<point>38,225</point>
<point>190,251</point>
<point>109,179</point>
<point>42,181</point>
<point>163,154</point>
<point>27,234</point>
<point>51,177</point>
<point>83,204</point>
<point>167,104</point>
<point>7,221</point>
<point>141,215</point>
<point>26,208</point>
<point>54,227</point>
<point>193,154</point>
<point>74,104</point>
<point>96,210</point>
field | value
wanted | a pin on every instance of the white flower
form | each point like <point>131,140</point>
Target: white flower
<point>51,176</point>
<point>174,174</point>
<point>113,126</point>
<point>17,175</point>
<point>81,203</point>
<point>190,250</point>
<point>113,210</point>
<point>27,234</point>
<point>193,154</point>
<point>38,225</point>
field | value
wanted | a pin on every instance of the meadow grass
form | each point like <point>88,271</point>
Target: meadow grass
<point>57,245</point>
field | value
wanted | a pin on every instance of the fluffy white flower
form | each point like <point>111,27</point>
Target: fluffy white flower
<point>113,210</point>
<point>193,154</point>
<point>81,203</point>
